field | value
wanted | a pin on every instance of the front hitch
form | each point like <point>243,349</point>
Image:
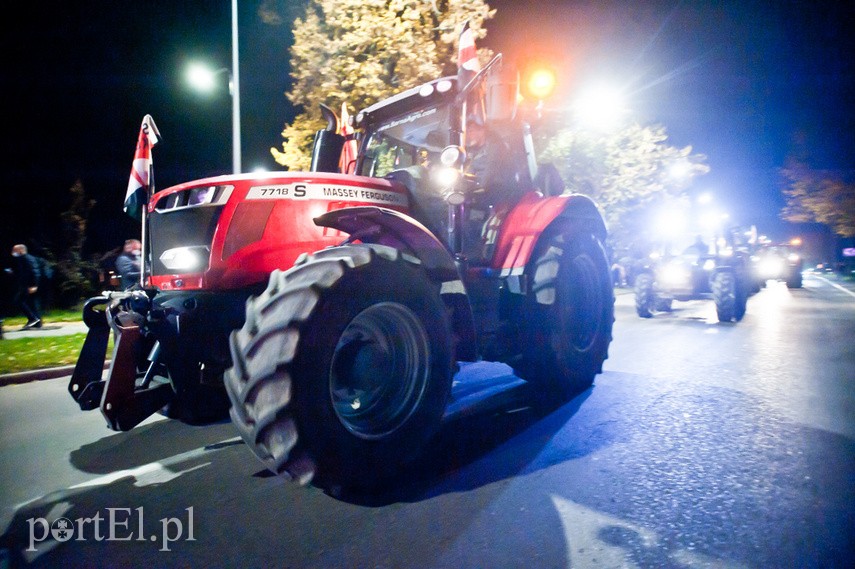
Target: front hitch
<point>86,385</point>
<point>123,403</point>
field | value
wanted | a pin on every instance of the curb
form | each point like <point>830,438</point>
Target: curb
<point>39,374</point>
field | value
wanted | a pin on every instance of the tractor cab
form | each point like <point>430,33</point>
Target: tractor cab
<point>463,153</point>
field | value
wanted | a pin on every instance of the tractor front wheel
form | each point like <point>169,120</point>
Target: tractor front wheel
<point>645,297</point>
<point>343,368</point>
<point>725,295</point>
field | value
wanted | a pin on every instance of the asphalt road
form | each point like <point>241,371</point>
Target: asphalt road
<point>701,445</point>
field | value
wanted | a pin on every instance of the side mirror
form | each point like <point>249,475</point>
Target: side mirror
<point>502,92</point>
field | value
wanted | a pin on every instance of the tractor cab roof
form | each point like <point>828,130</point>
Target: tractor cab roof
<point>418,116</point>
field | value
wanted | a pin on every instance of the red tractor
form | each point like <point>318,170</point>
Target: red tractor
<point>447,244</point>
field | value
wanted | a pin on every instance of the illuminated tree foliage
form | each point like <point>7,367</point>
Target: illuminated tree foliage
<point>362,51</point>
<point>624,171</point>
<point>817,196</point>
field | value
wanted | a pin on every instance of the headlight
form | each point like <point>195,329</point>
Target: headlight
<point>452,156</point>
<point>771,267</point>
<point>709,265</point>
<point>185,259</point>
<point>674,275</point>
<point>444,176</point>
<point>793,258</point>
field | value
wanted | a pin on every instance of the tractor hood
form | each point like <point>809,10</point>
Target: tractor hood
<point>233,231</point>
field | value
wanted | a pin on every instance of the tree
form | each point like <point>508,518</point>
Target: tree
<point>71,280</point>
<point>624,171</point>
<point>361,51</point>
<point>819,196</point>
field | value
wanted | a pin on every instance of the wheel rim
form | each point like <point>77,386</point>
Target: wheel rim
<point>379,370</point>
<point>583,304</point>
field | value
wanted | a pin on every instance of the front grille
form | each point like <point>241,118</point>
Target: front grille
<point>181,227</point>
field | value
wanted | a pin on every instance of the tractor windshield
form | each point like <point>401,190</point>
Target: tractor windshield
<point>385,153</point>
<point>408,129</point>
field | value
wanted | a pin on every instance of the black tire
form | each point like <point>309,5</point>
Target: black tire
<point>568,317</point>
<point>310,386</point>
<point>741,301</point>
<point>724,294</point>
<point>645,297</point>
<point>663,304</point>
<point>795,280</point>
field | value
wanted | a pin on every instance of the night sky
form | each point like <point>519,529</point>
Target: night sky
<point>748,84</point>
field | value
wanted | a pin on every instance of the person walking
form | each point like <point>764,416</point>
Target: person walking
<point>128,263</point>
<point>27,277</point>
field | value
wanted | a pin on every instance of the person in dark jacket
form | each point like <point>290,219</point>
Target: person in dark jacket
<point>27,276</point>
<point>128,263</point>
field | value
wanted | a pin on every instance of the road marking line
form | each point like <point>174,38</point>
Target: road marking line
<point>837,286</point>
<point>141,472</point>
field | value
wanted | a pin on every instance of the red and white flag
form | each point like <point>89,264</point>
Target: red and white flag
<point>141,179</point>
<point>467,56</point>
<point>347,162</point>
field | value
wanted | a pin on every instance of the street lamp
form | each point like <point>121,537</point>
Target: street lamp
<point>705,198</point>
<point>600,107</point>
<point>204,79</point>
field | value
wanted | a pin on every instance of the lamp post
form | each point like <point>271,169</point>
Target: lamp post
<point>234,89</point>
<point>203,79</point>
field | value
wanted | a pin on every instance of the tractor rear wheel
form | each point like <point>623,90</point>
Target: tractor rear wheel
<point>343,368</point>
<point>794,279</point>
<point>569,316</point>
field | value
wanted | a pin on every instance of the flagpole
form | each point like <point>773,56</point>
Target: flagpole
<point>143,263</point>
<point>235,89</point>
<point>143,218</point>
<point>141,185</point>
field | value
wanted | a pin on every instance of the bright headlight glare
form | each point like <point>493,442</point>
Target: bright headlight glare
<point>184,258</point>
<point>771,267</point>
<point>674,275</point>
<point>792,257</point>
<point>445,176</point>
<point>709,265</point>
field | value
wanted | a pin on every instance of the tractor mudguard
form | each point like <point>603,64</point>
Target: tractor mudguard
<point>529,219</point>
<point>394,229</point>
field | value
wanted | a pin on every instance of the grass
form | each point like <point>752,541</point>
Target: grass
<point>52,315</point>
<point>39,352</point>
<point>24,354</point>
